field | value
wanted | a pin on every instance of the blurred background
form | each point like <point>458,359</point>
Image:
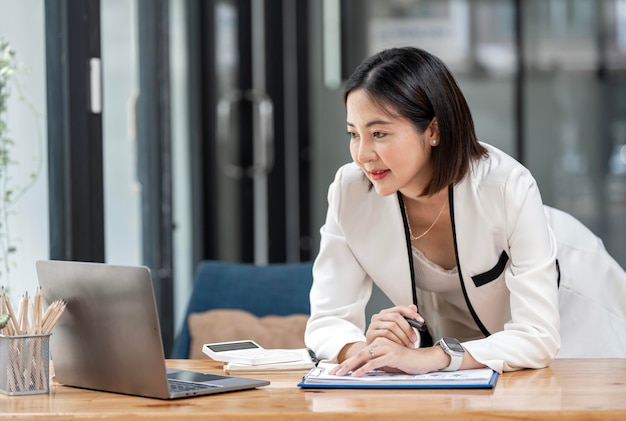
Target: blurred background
<point>167,132</point>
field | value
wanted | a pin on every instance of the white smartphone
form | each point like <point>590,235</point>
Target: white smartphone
<point>248,352</point>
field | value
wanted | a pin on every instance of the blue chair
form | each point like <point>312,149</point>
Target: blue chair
<point>279,289</point>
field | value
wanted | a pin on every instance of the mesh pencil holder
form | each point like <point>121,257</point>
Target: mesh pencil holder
<point>24,364</point>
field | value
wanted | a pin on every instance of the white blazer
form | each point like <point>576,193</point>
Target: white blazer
<point>592,292</point>
<point>506,261</point>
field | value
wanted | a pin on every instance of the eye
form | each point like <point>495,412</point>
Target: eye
<point>378,135</point>
<point>352,135</point>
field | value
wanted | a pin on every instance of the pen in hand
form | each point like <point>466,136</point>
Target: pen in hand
<point>421,326</point>
<point>313,356</point>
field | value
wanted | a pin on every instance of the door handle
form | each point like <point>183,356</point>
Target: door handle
<point>263,133</point>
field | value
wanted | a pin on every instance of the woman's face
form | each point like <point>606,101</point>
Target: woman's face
<point>389,149</point>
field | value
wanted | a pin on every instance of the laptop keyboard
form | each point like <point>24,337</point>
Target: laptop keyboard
<point>178,386</point>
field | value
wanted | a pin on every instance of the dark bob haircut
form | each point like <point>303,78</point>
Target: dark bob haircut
<point>411,83</point>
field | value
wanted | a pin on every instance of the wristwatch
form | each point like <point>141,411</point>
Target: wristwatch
<point>453,348</point>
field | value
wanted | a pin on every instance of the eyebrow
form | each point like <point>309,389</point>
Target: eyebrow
<point>371,123</point>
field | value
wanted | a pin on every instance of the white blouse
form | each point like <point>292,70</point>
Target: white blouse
<point>442,299</point>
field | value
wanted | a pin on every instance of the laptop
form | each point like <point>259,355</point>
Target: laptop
<point>109,336</point>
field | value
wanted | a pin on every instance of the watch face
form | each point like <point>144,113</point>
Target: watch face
<point>453,344</point>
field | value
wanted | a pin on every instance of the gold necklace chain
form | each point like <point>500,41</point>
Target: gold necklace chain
<point>413,238</point>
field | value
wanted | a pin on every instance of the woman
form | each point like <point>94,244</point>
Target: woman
<point>451,230</point>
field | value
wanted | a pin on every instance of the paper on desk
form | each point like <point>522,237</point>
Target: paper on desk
<point>475,376</point>
<point>303,365</point>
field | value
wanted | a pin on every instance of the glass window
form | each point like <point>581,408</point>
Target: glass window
<point>575,106</point>
<point>226,74</point>
<point>488,80</point>
<point>574,88</point>
<point>122,191</point>
<point>476,39</point>
<point>181,178</point>
<point>24,226</point>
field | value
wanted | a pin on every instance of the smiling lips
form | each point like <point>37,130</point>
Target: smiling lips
<point>376,175</point>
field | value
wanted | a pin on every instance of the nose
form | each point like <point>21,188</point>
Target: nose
<point>365,152</point>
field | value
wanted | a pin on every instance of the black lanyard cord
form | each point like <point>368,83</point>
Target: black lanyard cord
<point>479,323</point>
<point>407,236</point>
<point>425,337</point>
<point>470,307</point>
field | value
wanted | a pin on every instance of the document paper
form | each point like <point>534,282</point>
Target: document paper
<point>475,378</point>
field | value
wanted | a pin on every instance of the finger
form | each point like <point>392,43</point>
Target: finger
<point>406,312</point>
<point>391,324</point>
<point>366,368</point>
<point>377,360</point>
<point>385,356</point>
<point>410,309</point>
<point>417,339</point>
<point>389,330</point>
<point>411,312</point>
<point>398,331</point>
<point>407,334</point>
<point>355,362</point>
<point>346,367</point>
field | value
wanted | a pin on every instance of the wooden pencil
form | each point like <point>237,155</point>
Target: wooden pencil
<point>54,318</point>
<point>27,367</point>
<point>11,326</point>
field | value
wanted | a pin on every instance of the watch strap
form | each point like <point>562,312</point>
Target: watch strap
<point>456,359</point>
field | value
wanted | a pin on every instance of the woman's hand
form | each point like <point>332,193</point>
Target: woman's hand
<point>387,355</point>
<point>391,324</point>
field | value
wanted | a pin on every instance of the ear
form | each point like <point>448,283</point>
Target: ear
<point>432,132</point>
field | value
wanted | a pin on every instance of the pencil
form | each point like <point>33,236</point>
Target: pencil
<point>11,326</point>
<point>27,368</point>
<point>55,316</point>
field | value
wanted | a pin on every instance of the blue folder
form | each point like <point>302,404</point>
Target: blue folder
<point>317,378</point>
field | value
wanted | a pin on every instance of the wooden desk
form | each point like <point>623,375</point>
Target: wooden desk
<point>569,389</point>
